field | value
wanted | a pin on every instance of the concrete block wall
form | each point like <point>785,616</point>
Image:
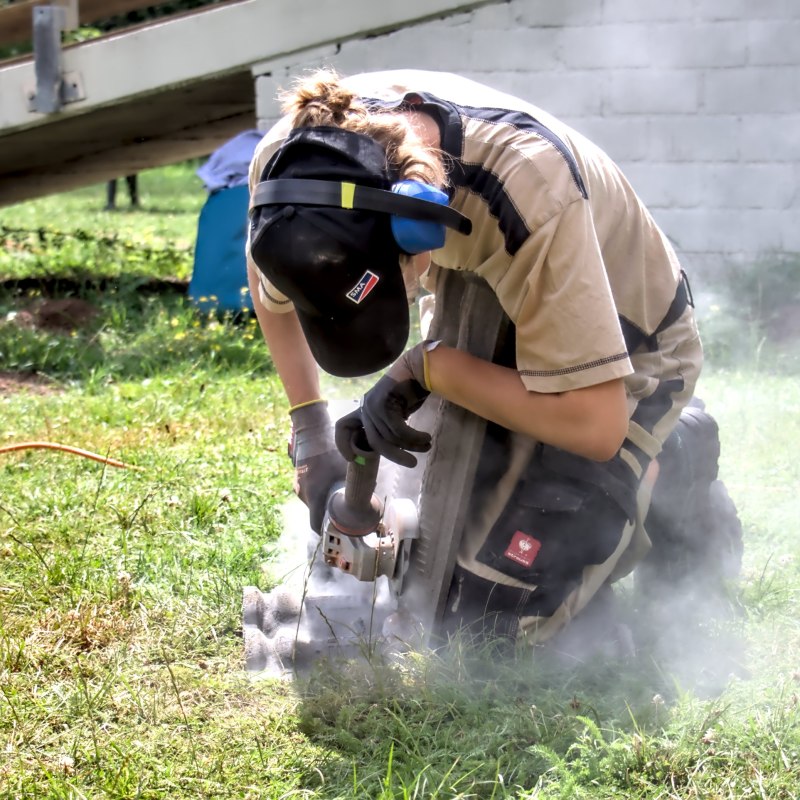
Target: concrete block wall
<point>697,100</point>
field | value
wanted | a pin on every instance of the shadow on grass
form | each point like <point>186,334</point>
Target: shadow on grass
<point>481,716</point>
<point>132,327</point>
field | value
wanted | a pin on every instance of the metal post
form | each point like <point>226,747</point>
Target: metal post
<point>53,87</point>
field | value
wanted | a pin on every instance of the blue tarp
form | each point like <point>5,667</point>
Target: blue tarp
<point>227,166</point>
<point>219,275</point>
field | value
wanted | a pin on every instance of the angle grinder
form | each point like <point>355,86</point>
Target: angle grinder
<point>362,535</point>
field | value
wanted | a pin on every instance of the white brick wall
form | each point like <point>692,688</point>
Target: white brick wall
<point>697,100</point>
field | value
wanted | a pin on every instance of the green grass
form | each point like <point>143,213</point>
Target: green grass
<point>70,235</point>
<point>121,655</point>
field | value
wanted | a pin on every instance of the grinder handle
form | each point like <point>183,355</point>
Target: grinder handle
<point>355,511</point>
<point>362,475</point>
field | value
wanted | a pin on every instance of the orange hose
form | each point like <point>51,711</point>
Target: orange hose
<point>111,462</point>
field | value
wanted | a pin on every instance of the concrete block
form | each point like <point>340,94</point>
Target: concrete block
<point>694,137</point>
<point>709,271</point>
<point>676,185</point>
<point>559,14</point>
<point>665,45</point>
<point>743,10</point>
<point>750,186</point>
<point>723,230</point>
<point>752,90</point>
<point>290,64</point>
<point>561,93</point>
<point>277,74</point>
<point>770,137</point>
<point>267,106</point>
<point>653,91</point>
<point>687,229</point>
<point>523,49</point>
<point>605,47</point>
<point>696,100</point>
<point>433,45</point>
<point>637,11</point>
<point>697,44</point>
<point>494,15</point>
<point>459,19</point>
<point>774,41</point>
<point>372,55</point>
<point>623,138</point>
<point>767,231</point>
<point>790,230</point>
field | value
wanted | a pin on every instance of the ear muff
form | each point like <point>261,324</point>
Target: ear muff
<point>419,212</point>
<point>417,236</point>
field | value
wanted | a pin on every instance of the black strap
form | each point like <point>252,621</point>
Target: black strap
<point>614,477</point>
<point>301,191</point>
<point>635,337</point>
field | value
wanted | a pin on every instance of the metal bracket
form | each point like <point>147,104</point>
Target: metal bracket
<point>53,87</point>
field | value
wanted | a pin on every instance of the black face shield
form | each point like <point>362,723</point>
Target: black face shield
<point>339,266</point>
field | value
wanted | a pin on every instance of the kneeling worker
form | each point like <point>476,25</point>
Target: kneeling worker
<point>603,352</point>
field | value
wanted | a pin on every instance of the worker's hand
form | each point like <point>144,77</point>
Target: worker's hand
<point>318,465</point>
<point>385,409</point>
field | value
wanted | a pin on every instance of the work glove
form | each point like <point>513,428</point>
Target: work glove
<point>385,409</point>
<point>318,465</point>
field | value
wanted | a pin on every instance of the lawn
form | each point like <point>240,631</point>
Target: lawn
<point>121,658</point>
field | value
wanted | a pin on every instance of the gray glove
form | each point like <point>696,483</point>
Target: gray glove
<point>319,467</point>
<point>385,409</point>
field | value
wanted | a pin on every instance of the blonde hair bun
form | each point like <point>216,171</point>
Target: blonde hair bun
<point>322,99</point>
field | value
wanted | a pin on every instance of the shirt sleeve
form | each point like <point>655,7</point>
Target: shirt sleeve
<point>557,293</point>
<point>269,296</point>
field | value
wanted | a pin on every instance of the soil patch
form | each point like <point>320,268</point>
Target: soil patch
<point>58,315</point>
<point>13,382</point>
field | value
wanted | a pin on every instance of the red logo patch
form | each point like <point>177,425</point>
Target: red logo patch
<point>369,280</point>
<point>523,549</point>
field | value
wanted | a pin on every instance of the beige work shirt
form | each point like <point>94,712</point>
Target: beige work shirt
<point>558,233</point>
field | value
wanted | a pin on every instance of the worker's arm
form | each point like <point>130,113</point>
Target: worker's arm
<point>318,465</point>
<point>590,422</point>
<point>287,345</point>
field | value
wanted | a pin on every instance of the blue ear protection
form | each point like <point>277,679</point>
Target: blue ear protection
<point>419,212</point>
<point>417,236</point>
